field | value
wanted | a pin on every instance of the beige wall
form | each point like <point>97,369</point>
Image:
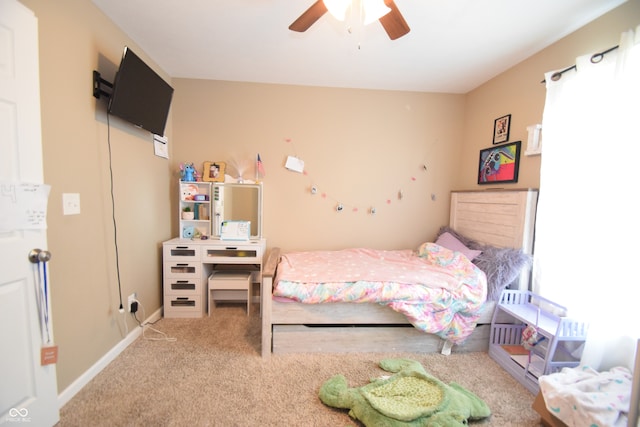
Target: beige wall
<point>518,92</point>
<point>75,39</point>
<point>360,148</point>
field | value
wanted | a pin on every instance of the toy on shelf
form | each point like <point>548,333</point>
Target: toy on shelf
<point>188,191</point>
<point>188,232</point>
<point>188,172</point>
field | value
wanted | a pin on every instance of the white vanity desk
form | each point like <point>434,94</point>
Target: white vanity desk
<point>188,263</point>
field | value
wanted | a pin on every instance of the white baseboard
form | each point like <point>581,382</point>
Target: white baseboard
<point>67,394</point>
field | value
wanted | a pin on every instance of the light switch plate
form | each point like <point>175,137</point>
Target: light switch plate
<point>71,203</point>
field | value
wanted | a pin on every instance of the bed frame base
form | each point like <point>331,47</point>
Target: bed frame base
<point>383,339</point>
<point>348,327</point>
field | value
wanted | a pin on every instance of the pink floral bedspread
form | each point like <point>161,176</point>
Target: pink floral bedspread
<point>438,290</point>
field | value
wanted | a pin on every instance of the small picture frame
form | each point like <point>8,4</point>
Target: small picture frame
<point>213,171</point>
<point>499,164</point>
<point>501,129</point>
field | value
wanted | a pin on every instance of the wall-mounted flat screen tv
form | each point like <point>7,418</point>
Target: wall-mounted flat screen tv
<point>140,96</point>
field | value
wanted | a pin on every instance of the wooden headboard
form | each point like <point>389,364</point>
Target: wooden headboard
<point>504,218</point>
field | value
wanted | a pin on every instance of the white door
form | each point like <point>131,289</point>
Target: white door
<point>28,389</point>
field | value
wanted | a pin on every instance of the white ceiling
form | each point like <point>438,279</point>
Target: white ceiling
<point>453,46</point>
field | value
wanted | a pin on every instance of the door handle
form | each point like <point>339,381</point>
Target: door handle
<point>38,255</point>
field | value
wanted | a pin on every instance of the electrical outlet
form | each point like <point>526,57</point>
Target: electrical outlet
<point>133,297</point>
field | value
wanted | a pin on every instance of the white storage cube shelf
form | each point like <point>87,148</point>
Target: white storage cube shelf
<point>197,197</point>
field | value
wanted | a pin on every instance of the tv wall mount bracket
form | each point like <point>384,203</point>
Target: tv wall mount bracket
<point>98,86</point>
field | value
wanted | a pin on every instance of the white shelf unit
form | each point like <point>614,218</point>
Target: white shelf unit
<point>200,225</point>
<point>561,337</point>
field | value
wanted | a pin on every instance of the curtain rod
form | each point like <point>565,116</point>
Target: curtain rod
<point>595,58</point>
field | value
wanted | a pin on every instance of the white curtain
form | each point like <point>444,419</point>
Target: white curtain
<point>588,221</point>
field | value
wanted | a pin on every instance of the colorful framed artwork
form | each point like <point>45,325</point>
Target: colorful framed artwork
<point>501,129</point>
<point>213,171</point>
<point>499,164</point>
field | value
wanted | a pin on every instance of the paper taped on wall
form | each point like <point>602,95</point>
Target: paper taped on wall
<point>294,164</point>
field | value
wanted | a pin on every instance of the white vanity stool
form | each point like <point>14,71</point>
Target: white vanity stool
<point>230,286</point>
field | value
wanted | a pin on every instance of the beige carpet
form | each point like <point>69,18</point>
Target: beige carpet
<point>212,375</point>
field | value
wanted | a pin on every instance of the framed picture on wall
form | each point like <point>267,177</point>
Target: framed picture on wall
<point>499,164</point>
<point>501,129</point>
<point>213,171</point>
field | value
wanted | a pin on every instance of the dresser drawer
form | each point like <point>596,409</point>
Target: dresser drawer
<point>182,270</point>
<point>185,287</point>
<point>181,252</point>
<point>232,254</point>
<point>183,306</point>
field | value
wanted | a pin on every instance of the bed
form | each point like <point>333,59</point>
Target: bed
<point>497,224</point>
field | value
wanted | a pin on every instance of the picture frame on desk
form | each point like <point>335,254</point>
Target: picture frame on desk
<point>214,171</point>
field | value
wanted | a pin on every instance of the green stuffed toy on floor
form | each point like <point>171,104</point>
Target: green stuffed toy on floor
<point>410,397</point>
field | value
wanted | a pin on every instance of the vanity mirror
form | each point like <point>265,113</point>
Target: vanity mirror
<point>237,202</point>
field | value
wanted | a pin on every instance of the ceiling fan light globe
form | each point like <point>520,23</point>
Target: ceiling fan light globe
<point>337,8</point>
<point>374,10</point>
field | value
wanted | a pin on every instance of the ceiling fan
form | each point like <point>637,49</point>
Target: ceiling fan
<point>393,22</point>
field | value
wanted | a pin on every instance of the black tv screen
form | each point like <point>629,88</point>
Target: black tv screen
<point>140,96</point>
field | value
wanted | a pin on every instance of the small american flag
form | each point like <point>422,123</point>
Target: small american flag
<point>260,166</point>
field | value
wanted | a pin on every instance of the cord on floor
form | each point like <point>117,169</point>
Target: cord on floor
<point>163,336</point>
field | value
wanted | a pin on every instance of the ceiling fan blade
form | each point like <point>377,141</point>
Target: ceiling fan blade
<point>393,22</point>
<point>308,18</point>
